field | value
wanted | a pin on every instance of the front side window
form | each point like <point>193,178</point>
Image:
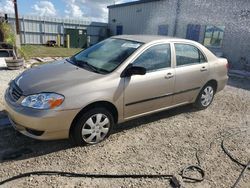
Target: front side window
<point>214,36</point>
<point>154,58</point>
<point>106,56</point>
<point>188,54</point>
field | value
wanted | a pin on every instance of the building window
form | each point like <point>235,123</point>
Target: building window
<point>214,36</point>
<point>193,32</point>
<point>163,30</point>
<point>119,30</point>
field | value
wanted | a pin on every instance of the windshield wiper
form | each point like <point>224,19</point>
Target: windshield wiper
<point>84,64</point>
<point>70,61</point>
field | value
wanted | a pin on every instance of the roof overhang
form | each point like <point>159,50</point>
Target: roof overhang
<point>132,3</point>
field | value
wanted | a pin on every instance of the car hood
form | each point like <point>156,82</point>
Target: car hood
<point>53,77</point>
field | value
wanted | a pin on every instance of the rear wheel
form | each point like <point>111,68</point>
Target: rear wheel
<point>205,97</point>
<point>92,127</point>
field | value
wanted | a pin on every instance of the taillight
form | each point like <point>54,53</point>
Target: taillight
<point>227,65</point>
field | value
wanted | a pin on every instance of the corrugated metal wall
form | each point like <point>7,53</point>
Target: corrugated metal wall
<point>142,18</point>
<point>38,30</point>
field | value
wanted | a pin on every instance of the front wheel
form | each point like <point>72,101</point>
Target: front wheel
<point>92,127</point>
<point>205,97</point>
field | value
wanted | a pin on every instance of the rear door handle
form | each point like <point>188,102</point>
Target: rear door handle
<point>169,75</point>
<point>203,69</point>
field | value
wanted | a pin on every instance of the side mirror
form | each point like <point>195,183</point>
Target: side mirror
<point>133,70</point>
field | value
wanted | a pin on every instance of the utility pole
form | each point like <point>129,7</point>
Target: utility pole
<point>16,15</point>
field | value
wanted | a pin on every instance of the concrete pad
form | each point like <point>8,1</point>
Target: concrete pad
<point>239,74</point>
<point>2,63</point>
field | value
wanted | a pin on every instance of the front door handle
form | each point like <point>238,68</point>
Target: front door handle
<point>169,75</point>
<point>203,69</point>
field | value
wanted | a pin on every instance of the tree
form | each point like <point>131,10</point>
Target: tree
<point>8,34</point>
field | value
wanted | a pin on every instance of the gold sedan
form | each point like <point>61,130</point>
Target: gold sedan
<point>116,80</point>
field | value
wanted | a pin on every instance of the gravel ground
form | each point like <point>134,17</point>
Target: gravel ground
<point>163,143</point>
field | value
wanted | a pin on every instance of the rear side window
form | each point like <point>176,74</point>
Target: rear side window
<point>188,54</point>
<point>155,58</point>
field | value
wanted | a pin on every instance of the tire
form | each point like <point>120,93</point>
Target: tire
<point>92,127</point>
<point>205,97</point>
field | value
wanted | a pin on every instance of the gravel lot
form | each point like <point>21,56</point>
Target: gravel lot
<point>163,143</point>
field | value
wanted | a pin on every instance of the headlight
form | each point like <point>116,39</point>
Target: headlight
<point>43,101</point>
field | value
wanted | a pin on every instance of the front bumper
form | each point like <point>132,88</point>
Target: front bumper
<point>40,124</point>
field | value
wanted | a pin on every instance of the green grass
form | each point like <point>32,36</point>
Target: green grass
<point>29,51</point>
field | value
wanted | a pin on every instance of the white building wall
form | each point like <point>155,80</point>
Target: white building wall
<point>144,18</point>
<point>228,13</point>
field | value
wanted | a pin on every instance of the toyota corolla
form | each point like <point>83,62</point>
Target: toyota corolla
<point>124,77</point>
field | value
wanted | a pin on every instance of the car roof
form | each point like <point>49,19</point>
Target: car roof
<point>149,38</point>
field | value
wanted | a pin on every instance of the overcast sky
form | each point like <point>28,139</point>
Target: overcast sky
<point>93,10</point>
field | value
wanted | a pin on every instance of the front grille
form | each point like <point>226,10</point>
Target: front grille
<point>14,91</point>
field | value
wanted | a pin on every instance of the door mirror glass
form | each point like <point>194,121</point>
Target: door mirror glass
<point>133,70</point>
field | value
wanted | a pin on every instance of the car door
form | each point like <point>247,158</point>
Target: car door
<point>191,71</point>
<point>152,91</point>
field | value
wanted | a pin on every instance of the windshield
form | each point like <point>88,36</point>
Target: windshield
<point>106,56</point>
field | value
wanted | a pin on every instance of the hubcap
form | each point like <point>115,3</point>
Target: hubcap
<point>95,128</point>
<point>207,96</point>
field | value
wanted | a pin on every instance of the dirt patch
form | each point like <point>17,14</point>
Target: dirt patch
<point>163,143</point>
